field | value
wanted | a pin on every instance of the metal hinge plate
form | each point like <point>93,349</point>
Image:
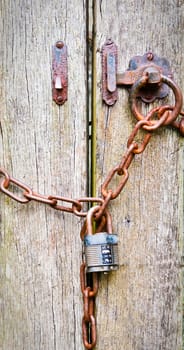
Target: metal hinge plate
<point>59,73</point>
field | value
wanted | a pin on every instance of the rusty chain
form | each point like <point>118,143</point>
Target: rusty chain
<point>23,194</point>
<point>89,289</point>
<point>10,186</point>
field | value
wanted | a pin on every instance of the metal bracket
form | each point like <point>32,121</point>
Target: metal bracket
<point>109,71</point>
<point>138,65</point>
<point>59,73</point>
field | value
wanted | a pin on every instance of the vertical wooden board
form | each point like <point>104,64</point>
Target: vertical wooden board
<point>43,145</point>
<point>139,307</point>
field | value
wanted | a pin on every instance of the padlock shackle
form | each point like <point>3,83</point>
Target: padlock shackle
<point>90,216</point>
<point>109,221</point>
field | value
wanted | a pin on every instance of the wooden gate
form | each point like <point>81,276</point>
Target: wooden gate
<point>47,146</point>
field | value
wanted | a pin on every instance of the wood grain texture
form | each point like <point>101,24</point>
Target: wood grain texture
<point>139,307</point>
<point>44,146</point>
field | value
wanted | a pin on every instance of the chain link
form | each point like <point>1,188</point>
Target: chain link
<point>23,194</point>
<point>89,289</point>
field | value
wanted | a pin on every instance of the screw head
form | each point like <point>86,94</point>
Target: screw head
<point>109,41</point>
<point>59,44</point>
<point>59,99</point>
<point>150,56</point>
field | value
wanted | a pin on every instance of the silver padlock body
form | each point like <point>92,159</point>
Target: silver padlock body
<point>101,252</point>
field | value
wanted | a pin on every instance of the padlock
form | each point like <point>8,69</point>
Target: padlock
<point>100,249</point>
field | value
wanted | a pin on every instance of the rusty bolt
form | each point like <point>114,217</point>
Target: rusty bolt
<point>150,56</point>
<point>109,41</point>
<point>59,44</point>
<point>153,75</point>
<point>59,99</point>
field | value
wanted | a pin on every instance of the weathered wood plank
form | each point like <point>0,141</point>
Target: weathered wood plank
<point>45,146</point>
<point>139,307</point>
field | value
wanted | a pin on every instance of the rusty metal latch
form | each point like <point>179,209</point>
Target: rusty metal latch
<point>59,73</point>
<point>109,72</point>
<point>149,64</point>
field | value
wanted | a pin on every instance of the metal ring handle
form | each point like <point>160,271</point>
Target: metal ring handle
<point>171,115</point>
